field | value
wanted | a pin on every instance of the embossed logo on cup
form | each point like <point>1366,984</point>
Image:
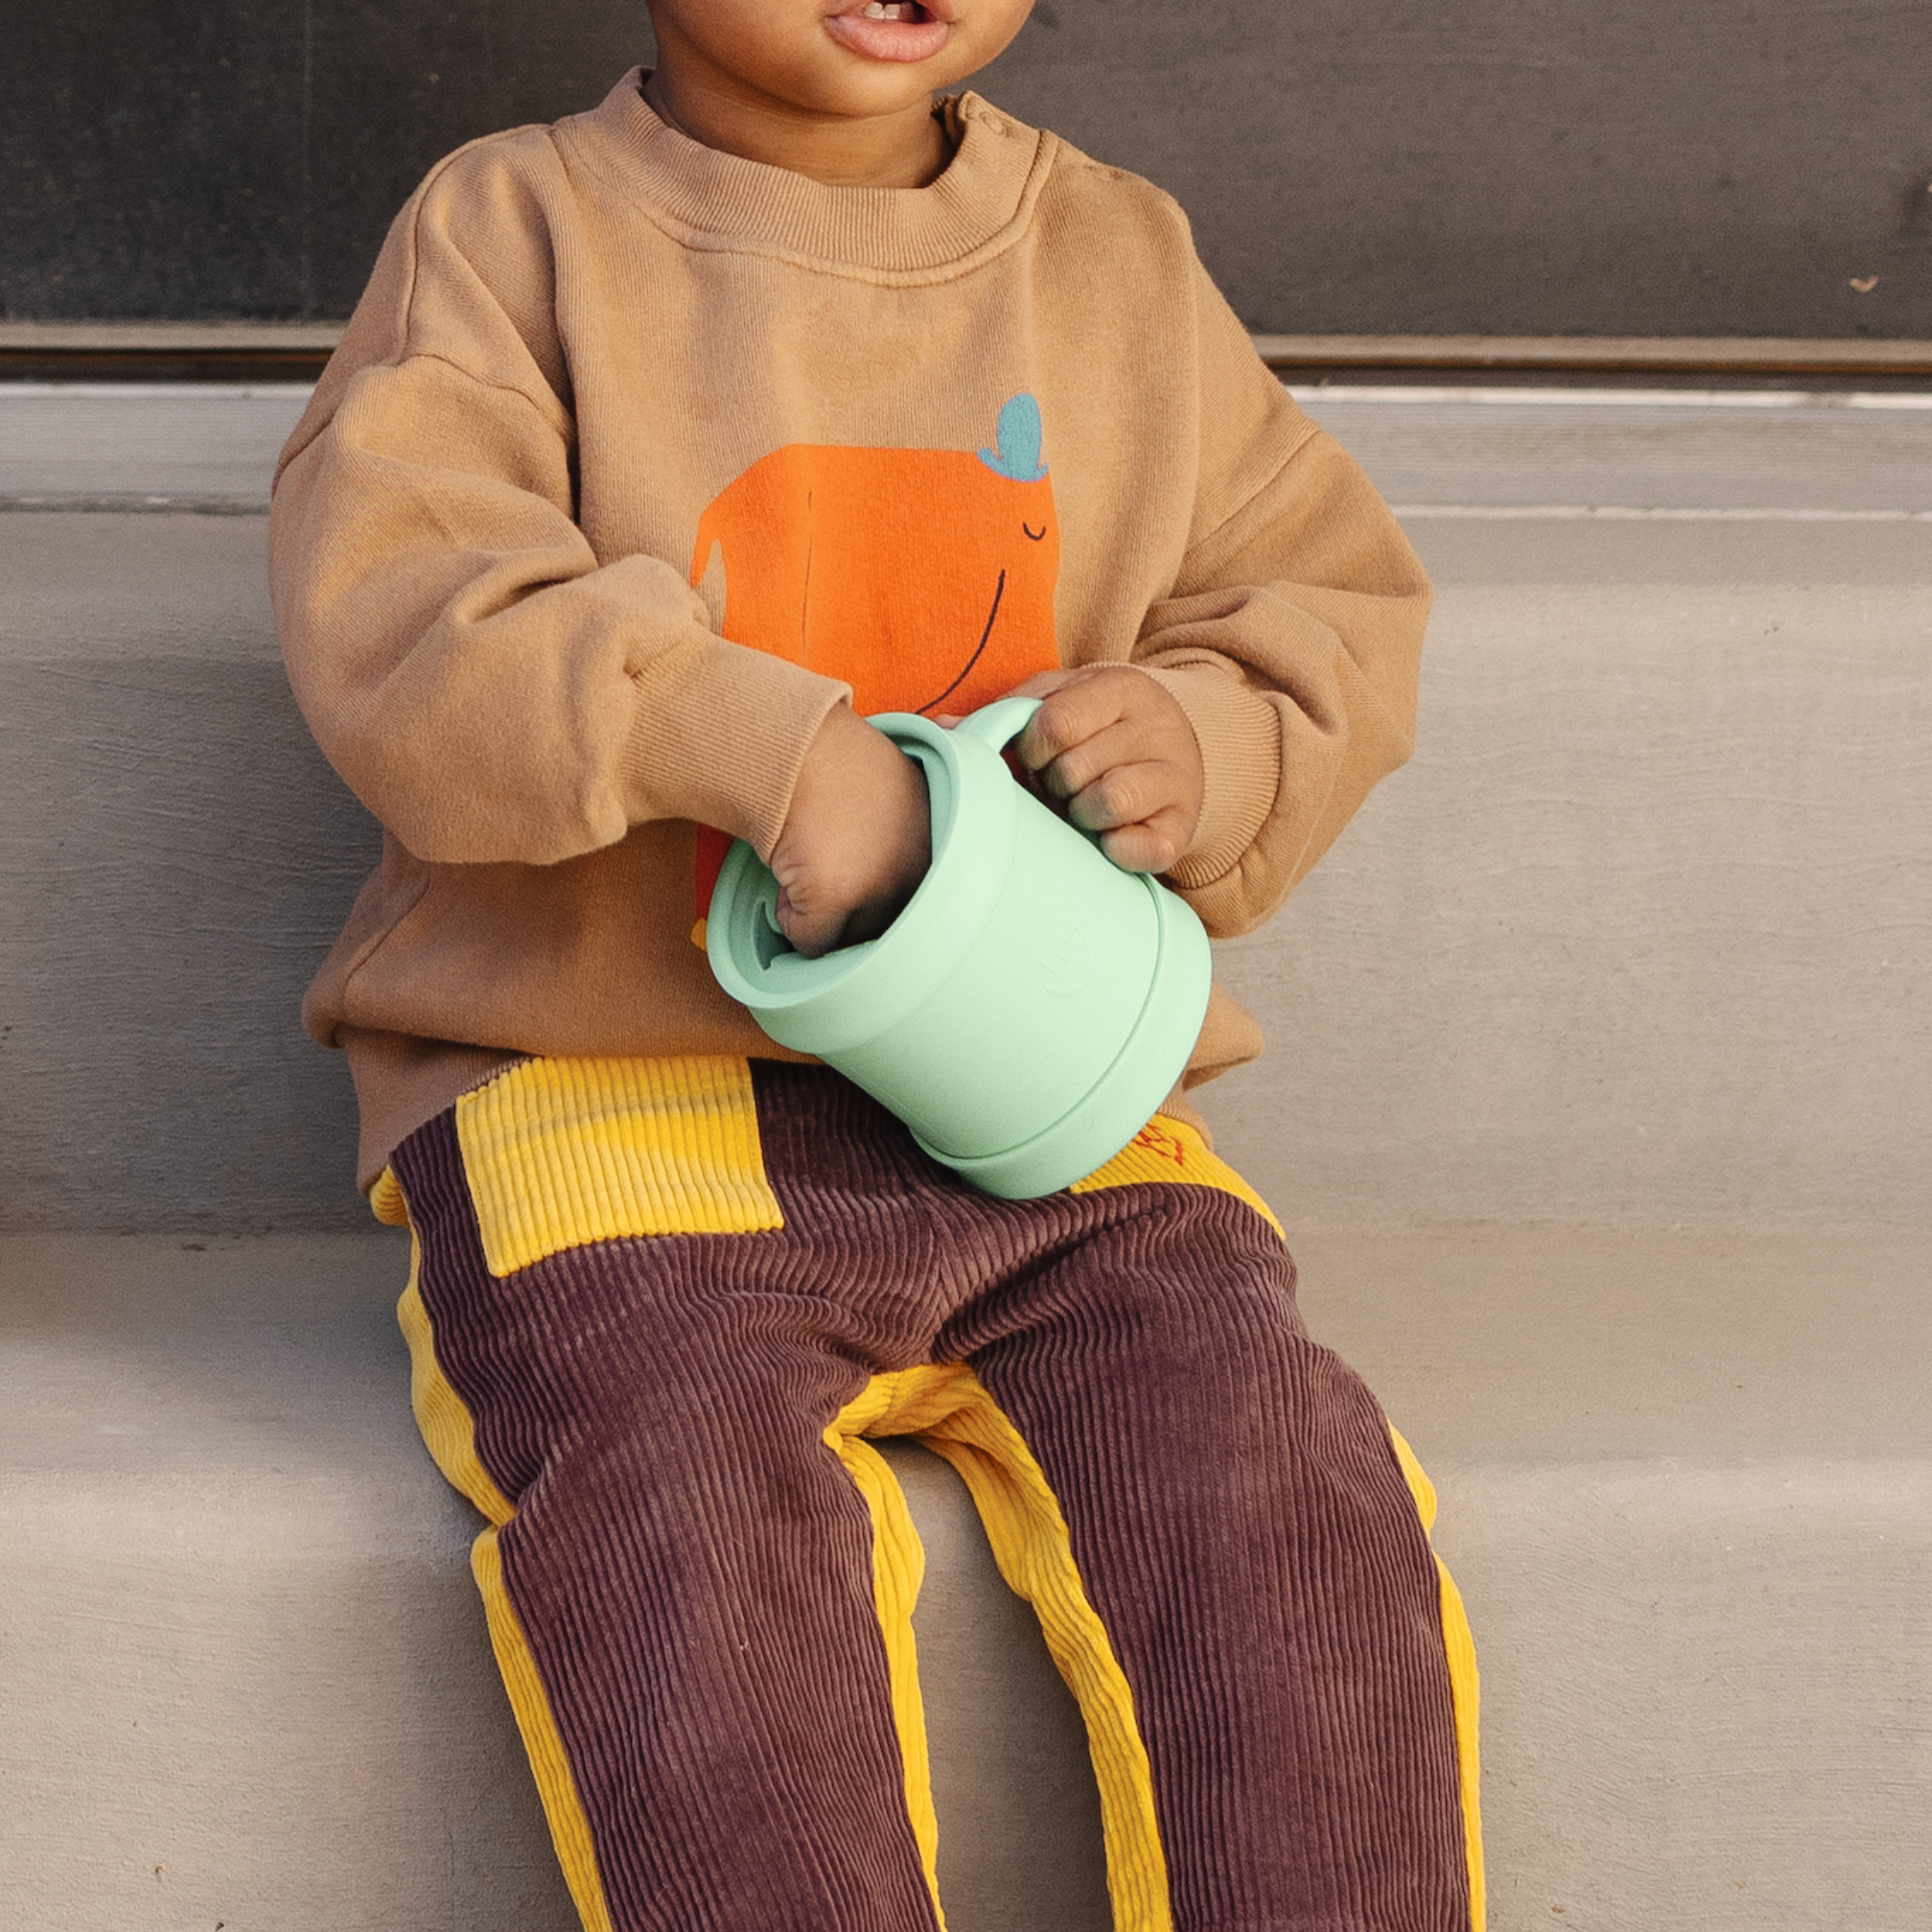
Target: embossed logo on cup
<point>1066,970</point>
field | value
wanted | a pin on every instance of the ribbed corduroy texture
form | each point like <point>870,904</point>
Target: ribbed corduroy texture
<point>562,1152</point>
<point>693,1569</point>
<point>946,1407</point>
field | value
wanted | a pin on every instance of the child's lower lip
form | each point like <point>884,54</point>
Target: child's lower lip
<point>887,39</point>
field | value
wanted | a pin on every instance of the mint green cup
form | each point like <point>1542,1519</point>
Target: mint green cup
<point>1028,1009</point>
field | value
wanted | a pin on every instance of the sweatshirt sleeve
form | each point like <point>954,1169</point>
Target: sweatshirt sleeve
<point>484,684</point>
<point>1291,636</point>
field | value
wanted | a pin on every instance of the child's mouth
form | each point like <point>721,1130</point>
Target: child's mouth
<point>891,29</point>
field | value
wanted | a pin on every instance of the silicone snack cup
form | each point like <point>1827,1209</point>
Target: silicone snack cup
<point>1027,1011</point>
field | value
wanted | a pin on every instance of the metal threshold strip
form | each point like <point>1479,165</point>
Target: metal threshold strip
<point>216,351</point>
<point>1601,355</point>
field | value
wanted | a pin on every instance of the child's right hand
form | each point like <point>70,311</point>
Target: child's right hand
<point>857,840</point>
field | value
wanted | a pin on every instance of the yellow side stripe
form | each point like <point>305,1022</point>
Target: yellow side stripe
<point>563,1153</point>
<point>947,1409</point>
<point>449,1431</point>
<point>898,1568</point>
<point>1170,1151</point>
<point>1464,1687</point>
<point>562,1806</point>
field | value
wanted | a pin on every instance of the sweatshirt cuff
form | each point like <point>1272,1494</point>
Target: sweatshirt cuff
<point>720,740</point>
<point>1240,740</point>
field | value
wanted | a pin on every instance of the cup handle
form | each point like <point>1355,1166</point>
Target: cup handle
<point>998,724</point>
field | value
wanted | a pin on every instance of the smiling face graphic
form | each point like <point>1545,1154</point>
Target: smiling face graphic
<point>922,578</point>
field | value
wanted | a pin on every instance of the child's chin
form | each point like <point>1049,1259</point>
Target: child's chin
<point>898,40</point>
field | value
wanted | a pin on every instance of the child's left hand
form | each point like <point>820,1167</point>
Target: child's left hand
<point>1111,743</point>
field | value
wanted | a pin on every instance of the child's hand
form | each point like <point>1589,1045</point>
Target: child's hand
<point>1111,743</point>
<point>857,840</point>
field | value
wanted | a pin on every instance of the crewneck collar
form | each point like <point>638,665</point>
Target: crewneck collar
<point>714,201</point>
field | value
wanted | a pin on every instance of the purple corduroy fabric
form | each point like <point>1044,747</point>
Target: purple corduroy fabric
<point>692,1568</point>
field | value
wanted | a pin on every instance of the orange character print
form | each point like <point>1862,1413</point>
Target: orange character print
<point>924,579</point>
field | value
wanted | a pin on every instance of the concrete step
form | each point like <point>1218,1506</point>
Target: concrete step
<point>244,1670</point>
<point>1643,933</point>
<point>1633,956</point>
<point>1740,451</point>
<point>1687,1483</point>
<point>143,446</point>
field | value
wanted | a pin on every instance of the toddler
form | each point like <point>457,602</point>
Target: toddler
<point>667,444</point>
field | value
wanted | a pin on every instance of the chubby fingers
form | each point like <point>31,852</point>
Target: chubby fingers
<point>1110,742</point>
<point>1079,706</point>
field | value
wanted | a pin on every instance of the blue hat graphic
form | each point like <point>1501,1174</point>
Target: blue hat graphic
<point>1019,439</point>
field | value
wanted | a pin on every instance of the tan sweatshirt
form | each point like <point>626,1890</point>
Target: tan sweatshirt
<point>637,459</point>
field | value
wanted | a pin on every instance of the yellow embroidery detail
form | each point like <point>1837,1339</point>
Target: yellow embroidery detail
<point>1170,1151</point>
<point>563,1153</point>
<point>947,1409</point>
<point>1464,1687</point>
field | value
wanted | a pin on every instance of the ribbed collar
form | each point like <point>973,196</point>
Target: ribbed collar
<point>715,201</point>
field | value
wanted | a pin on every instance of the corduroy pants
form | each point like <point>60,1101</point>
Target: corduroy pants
<point>657,1308</point>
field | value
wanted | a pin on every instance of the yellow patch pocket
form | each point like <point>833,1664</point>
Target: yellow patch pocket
<point>563,1153</point>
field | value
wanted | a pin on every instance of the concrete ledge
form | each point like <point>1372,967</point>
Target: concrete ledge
<point>1651,355</point>
<point>1644,932</point>
<point>173,853</point>
<point>246,1674</point>
<point>1687,1485</point>
<point>143,446</point>
<point>169,338</point>
<point>52,342</point>
<point>1752,452</point>
<point>1689,1496</point>
<point>1641,935</point>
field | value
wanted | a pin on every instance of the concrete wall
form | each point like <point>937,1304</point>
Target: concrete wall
<point>173,850</point>
<point>1503,166</point>
<point>1643,935</point>
<point>1640,938</point>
